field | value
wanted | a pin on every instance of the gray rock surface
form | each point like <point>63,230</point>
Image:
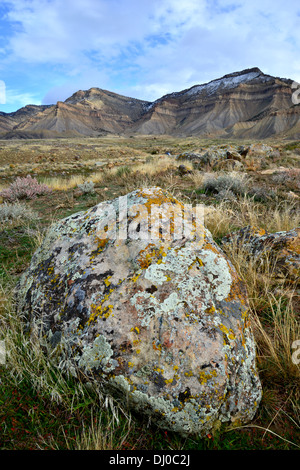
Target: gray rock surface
<point>160,323</point>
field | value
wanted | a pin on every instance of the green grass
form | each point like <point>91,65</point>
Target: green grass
<point>30,419</point>
<point>16,248</point>
<point>292,146</point>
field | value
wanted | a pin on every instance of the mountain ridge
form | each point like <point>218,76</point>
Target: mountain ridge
<point>244,103</point>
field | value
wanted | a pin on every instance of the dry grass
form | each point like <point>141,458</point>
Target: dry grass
<point>275,323</point>
<point>272,304</point>
<point>26,357</point>
<point>220,220</point>
<point>100,434</point>
<point>159,164</point>
<point>65,184</point>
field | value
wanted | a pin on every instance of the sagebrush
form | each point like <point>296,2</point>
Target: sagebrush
<point>24,188</point>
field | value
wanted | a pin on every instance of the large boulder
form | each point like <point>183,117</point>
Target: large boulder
<point>160,322</point>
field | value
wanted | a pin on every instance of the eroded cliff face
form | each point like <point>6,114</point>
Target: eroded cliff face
<point>9,121</point>
<point>251,104</point>
<point>87,113</point>
<point>246,104</point>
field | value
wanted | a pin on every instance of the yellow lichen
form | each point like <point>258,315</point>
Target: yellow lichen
<point>107,281</point>
<point>189,374</point>
<point>229,333</point>
<point>135,329</point>
<point>203,376</point>
<point>150,254</point>
<point>100,311</point>
<point>210,310</point>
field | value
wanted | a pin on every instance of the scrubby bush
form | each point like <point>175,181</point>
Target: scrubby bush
<point>87,187</point>
<point>290,177</point>
<point>16,211</point>
<point>226,195</point>
<point>234,182</point>
<point>259,193</point>
<point>24,188</point>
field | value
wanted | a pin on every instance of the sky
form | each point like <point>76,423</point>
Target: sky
<point>143,49</point>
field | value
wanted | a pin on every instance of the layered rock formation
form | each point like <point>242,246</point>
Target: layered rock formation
<point>243,104</point>
<point>246,104</point>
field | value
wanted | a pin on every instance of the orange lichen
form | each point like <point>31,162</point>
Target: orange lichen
<point>156,346</point>
<point>158,198</point>
<point>209,246</point>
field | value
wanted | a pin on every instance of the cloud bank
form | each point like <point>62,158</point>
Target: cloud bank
<point>142,48</point>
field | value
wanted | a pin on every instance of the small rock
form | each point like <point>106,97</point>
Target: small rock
<point>183,170</point>
<point>229,165</point>
<point>243,150</point>
<point>258,150</point>
<point>233,155</point>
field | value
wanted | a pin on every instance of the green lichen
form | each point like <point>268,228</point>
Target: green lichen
<point>97,355</point>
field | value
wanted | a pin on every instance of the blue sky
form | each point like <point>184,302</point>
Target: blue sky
<point>140,48</point>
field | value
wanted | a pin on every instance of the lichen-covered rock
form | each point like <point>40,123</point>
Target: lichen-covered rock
<point>233,154</point>
<point>281,250</point>
<point>229,165</point>
<point>217,157</point>
<point>204,159</point>
<point>161,323</point>
<point>259,149</point>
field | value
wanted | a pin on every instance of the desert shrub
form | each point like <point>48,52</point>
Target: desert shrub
<point>16,211</point>
<point>235,182</point>
<point>226,195</point>
<point>260,193</point>
<point>88,187</point>
<point>24,188</point>
<point>123,171</point>
<point>292,146</point>
<point>290,177</point>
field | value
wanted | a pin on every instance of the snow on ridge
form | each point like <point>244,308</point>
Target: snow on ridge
<point>225,83</point>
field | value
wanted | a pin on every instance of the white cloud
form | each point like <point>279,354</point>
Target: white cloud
<point>61,31</point>
<point>152,47</point>
<point>14,97</point>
